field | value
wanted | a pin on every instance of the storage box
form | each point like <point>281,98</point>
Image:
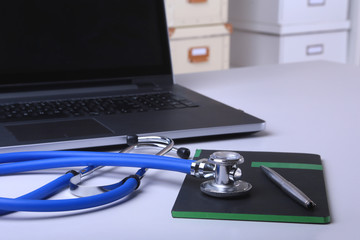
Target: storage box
<point>251,48</point>
<point>196,12</point>
<point>289,16</point>
<point>196,49</point>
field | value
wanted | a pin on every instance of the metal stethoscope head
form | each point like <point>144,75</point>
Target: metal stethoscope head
<point>224,167</point>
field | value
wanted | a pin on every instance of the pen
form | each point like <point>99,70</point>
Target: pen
<point>288,187</point>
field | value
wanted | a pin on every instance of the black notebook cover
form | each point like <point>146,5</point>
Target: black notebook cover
<point>265,201</point>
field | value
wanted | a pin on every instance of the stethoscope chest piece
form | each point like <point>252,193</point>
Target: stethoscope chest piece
<point>227,175</point>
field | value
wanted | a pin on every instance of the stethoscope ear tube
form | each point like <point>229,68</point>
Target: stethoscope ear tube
<point>45,191</point>
<point>11,163</point>
<point>163,145</point>
<point>103,159</point>
<point>21,204</point>
<point>55,159</point>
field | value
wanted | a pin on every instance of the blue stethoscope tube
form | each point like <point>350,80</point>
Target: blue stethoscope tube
<point>30,161</point>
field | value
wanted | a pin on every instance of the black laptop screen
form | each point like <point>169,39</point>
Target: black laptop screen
<point>61,40</point>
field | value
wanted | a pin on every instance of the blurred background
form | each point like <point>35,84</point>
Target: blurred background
<point>208,35</point>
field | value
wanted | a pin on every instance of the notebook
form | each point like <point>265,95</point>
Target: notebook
<point>87,73</point>
<point>265,201</point>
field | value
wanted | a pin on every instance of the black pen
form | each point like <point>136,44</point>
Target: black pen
<point>288,187</point>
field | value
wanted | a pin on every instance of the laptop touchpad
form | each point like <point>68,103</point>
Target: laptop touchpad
<point>58,129</point>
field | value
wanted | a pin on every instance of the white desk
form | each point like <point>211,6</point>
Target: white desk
<point>309,107</point>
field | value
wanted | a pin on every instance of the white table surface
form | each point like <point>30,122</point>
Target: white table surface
<point>309,107</point>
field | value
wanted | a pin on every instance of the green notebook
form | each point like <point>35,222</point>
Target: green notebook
<point>265,201</point>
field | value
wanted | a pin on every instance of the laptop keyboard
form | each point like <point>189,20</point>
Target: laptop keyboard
<point>92,106</point>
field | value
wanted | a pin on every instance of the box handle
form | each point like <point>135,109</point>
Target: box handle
<point>171,31</point>
<point>312,3</point>
<point>316,49</point>
<point>229,27</point>
<point>199,54</point>
<point>197,1</point>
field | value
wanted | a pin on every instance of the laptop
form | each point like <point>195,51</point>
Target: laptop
<point>87,73</point>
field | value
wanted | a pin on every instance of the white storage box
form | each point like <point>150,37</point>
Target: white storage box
<point>249,48</point>
<point>196,49</point>
<point>196,12</point>
<point>288,16</point>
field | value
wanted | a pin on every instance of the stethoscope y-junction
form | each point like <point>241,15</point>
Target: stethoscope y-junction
<point>222,167</point>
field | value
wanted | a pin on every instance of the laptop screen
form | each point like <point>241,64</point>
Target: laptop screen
<point>62,40</point>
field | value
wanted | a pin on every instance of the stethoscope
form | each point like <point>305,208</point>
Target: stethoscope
<point>222,167</point>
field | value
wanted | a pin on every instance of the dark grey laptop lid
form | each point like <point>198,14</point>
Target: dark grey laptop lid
<point>76,43</point>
